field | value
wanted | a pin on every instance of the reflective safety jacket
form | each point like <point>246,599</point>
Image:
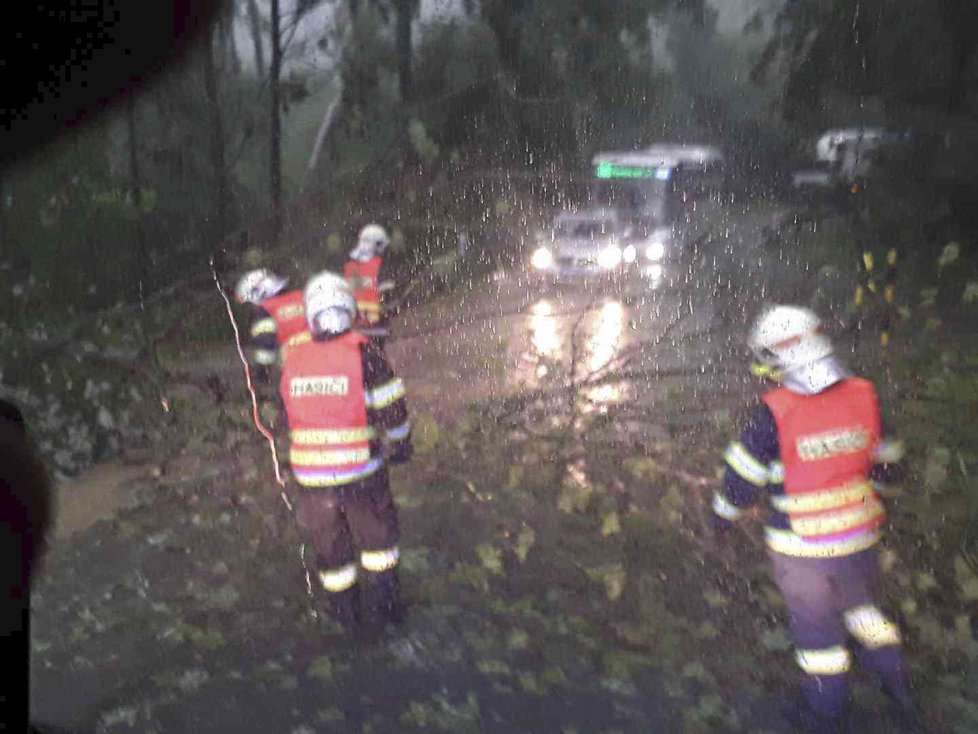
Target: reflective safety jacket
<point>368,286</point>
<point>280,320</point>
<point>343,403</point>
<point>815,456</point>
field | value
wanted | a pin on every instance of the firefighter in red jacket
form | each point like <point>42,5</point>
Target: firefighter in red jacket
<point>815,446</point>
<point>347,420</point>
<point>279,319</point>
<point>366,274</point>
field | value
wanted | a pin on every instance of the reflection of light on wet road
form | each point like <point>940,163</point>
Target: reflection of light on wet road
<point>543,328</point>
<point>607,331</point>
<point>600,336</point>
<point>603,345</point>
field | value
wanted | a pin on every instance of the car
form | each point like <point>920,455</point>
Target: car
<point>600,244</point>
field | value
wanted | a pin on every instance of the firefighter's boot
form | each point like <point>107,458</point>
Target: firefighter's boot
<point>382,599</point>
<point>344,607</point>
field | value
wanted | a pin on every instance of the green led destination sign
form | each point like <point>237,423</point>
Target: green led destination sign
<point>610,170</point>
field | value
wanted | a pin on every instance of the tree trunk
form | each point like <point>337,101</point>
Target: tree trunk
<point>136,192</point>
<point>403,46</point>
<point>958,88</point>
<point>217,151</point>
<point>275,134</point>
<point>4,245</point>
<point>230,43</point>
<point>325,126</point>
<point>254,20</point>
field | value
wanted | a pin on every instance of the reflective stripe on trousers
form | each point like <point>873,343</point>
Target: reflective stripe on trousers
<point>380,560</point>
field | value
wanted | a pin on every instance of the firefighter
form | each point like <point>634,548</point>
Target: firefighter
<point>279,319</point>
<point>366,274</point>
<point>815,447</point>
<point>348,420</point>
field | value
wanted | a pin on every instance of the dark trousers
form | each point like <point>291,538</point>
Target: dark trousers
<point>354,532</point>
<point>831,600</point>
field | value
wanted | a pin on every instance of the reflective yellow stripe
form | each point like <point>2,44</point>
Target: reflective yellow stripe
<point>860,294</point>
<point>829,661</point>
<point>790,544</point>
<point>339,579</point>
<point>263,326</point>
<point>724,508</point>
<point>386,394</point>
<point>740,460</point>
<point>889,452</point>
<point>868,625</point>
<point>328,458</point>
<point>325,478</point>
<point>837,522</point>
<point>868,260</point>
<point>891,257</point>
<point>264,357</point>
<point>377,561</point>
<point>776,473</point>
<point>301,338</point>
<point>346,435</point>
<point>368,306</point>
<point>825,499</point>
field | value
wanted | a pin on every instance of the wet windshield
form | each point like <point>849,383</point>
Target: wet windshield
<point>638,195</point>
<point>585,228</point>
<point>500,366</point>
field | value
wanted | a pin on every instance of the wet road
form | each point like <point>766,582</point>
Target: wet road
<point>624,344</point>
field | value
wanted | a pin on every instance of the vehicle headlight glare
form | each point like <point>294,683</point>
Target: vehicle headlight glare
<point>542,258</point>
<point>656,250</point>
<point>629,254</point>
<point>609,257</point>
<point>655,271</point>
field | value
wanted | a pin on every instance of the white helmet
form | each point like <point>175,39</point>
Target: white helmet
<point>257,285</point>
<point>373,240</point>
<point>789,344</point>
<point>329,303</point>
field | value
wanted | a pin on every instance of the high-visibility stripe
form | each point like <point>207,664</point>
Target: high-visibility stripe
<point>724,508</point>
<point>776,473</point>
<point>399,433</point>
<point>825,499</point>
<point>308,458</point>
<point>838,521</point>
<point>868,625</point>
<point>301,338</point>
<point>889,451</point>
<point>740,460</point>
<point>370,306</point>
<point>339,579</point>
<point>386,286</point>
<point>386,394</point>
<point>263,326</point>
<point>264,357</point>
<point>324,478</point>
<point>868,260</point>
<point>828,661</point>
<point>382,560</point>
<point>347,435</point>
<point>790,544</point>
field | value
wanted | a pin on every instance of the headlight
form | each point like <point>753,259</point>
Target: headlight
<point>542,259</point>
<point>609,257</point>
<point>656,250</point>
<point>629,254</point>
<point>654,271</point>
